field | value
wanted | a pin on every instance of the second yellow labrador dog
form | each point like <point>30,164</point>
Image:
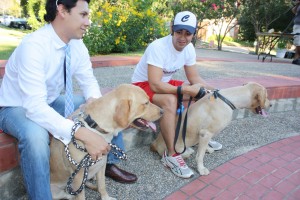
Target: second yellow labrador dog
<point>211,115</point>
<point>112,113</point>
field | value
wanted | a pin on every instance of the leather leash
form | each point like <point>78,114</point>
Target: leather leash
<point>87,161</point>
<point>180,110</point>
<point>217,94</point>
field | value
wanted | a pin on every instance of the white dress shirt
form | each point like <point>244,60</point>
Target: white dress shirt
<point>34,78</point>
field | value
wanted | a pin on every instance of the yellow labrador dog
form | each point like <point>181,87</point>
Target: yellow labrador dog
<point>112,113</point>
<point>211,114</point>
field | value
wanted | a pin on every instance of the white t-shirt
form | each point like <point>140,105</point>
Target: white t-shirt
<point>161,53</point>
<point>34,78</point>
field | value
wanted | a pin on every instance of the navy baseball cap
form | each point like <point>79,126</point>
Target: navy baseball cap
<point>185,20</point>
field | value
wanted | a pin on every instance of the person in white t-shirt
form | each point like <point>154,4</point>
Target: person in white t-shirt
<point>161,60</point>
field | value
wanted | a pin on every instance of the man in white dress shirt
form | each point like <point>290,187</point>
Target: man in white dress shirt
<point>31,103</point>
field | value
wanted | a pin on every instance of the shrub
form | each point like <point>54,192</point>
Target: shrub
<point>122,28</point>
<point>98,41</point>
<point>36,11</point>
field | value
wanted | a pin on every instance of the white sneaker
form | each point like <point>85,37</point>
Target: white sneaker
<point>215,145</point>
<point>177,165</point>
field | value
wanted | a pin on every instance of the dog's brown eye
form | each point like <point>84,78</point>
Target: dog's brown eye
<point>147,103</point>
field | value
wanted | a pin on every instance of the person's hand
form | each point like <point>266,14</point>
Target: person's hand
<point>95,144</point>
<point>193,90</point>
<point>89,100</point>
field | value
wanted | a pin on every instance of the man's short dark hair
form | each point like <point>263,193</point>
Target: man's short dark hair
<point>51,7</point>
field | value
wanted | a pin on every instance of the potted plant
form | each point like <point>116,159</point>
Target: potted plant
<point>281,48</point>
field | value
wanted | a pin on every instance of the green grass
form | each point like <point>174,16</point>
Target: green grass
<point>135,53</point>
<point>6,51</point>
<point>9,40</point>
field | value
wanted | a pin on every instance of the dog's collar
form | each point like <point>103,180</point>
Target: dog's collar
<point>82,116</point>
<point>90,121</point>
<point>217,94</point>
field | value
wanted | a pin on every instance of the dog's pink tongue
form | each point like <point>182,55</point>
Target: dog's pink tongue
<point>152,126</point>
<point>264,113</point>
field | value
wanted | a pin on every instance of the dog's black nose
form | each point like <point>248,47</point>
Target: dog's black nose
<point>161,111</point>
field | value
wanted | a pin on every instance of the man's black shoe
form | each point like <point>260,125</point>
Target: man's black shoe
<point>296,61</point>
<point>119,175</point>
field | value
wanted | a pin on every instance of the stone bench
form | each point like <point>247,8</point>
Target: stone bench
<point>9,156</point>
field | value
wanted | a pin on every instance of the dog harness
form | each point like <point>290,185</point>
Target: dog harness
<point>202,92</point>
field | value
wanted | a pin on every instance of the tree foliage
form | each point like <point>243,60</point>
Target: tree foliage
<point>124,25</point>
<point>36,11</point>
<point>10,7</point>
<point>23,4</point>
<point>222,12</point>
<point>264,13</point>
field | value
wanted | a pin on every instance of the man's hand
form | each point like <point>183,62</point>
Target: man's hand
<point>94,143</point>
<point>191,90</point>
<point>90,100</point>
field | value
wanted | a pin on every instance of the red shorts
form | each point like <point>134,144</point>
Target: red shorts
<point>146,87</point>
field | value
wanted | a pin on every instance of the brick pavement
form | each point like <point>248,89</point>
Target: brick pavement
<point>269,172</point>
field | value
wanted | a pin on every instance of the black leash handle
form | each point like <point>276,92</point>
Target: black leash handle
<point>179,112</point>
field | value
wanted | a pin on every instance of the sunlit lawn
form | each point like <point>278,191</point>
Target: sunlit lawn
<point>6,49</point>
<point>9,40</point>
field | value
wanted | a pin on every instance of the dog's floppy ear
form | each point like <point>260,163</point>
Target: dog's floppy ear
<point>261,96</point>
<point>121,116</point>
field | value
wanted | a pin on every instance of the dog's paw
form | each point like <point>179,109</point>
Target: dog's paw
<point>188,152</point>
<point>209,149</point>
<point>203,171</point>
